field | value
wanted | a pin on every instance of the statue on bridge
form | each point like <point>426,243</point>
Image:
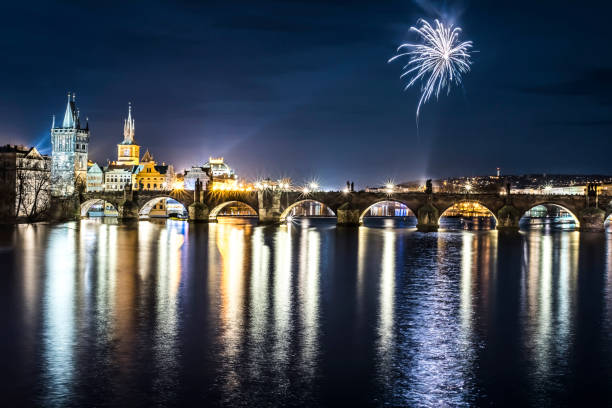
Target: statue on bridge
<point>428,187</point>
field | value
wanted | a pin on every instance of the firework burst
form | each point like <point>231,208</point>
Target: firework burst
<point>438,62</point>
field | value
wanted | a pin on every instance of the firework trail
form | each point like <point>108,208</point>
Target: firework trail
<point>438,62</point>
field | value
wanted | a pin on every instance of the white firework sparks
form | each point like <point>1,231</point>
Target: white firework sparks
<point>438,62</point>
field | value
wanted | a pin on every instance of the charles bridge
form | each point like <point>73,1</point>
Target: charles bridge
<point>589,210</point>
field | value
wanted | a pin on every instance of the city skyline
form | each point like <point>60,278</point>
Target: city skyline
<point>280,92</point>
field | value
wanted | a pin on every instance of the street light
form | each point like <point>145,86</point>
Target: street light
<point>313,186</point>
<point>468,187</point>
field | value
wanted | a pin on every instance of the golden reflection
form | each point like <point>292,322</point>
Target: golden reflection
<point>467,254</point>
<point>387,299</point>
<point>550,295</point>
<point>282,294</point>
<point>259,294</point>
<point>30,241</point>
<point>59,311</point>
<point>362,251</point>
<point>231,245</point>
<point>126,295</point>
<point>169,269</point>
<point>309,296</point>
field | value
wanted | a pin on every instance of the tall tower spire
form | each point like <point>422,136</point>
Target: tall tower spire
<point>68,116</point>
<point>128,127</point>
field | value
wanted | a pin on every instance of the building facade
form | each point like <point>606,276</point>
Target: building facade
<point>192,175</point>
<point>220,174</point>
<point>117,176</point>
<point>24,182</point>
<point>69,145</point>
<point>95,178</point>
<point>152,176</point>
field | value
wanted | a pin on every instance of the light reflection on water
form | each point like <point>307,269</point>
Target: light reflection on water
<point>162,313</point>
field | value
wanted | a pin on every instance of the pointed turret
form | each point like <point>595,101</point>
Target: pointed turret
<point>128,127</point>
<point>69,115</point>
<point>147,157</point>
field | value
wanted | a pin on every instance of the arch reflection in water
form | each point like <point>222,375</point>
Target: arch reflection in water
<point>548,289</point>
<point>468,215</point>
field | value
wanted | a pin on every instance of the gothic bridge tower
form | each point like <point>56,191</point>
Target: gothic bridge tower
<point>69,146</point>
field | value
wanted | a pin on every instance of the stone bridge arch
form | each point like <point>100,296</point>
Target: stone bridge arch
<point>212,216</point>
<point>573,212</point>
<point>385,200</point>
<point>86,205</point>
<point>492,211</point>
<point>146,204</point>
<point>287,210</point>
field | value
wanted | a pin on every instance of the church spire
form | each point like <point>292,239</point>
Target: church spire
<point>129,127</point>
<point>68,116</point>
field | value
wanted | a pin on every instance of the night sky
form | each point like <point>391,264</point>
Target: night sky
<point>303,88</point>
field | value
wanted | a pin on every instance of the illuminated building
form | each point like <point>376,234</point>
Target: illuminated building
<point>95,178</point>
<point>193,174</point>
<point>128,151</point>
<point>24,182</point>
<point>220,175</point>
<point>69,145</point>
<point>152,176</point>
<point>117,176</point>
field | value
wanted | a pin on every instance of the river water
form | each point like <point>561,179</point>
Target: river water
<point>165,313</point>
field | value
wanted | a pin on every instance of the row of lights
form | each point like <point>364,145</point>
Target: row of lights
<point>310,187</point>
<point>231,187</point>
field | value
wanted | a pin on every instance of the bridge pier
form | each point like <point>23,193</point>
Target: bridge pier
<point>427,218</point>
<point>198,212</point>
<point>269,206</point>
<point>592,219</point>
<point>508,218</point>
<point>127,210</point>
<point>65,208</point>
<point>348,215</point>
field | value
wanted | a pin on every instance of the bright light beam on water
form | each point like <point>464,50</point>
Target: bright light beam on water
<point>439,61</point>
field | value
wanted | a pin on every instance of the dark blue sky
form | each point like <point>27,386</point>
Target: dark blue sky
<point>303,88</point>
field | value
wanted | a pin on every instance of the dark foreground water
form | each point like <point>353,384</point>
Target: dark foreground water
<point>168,313</point>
